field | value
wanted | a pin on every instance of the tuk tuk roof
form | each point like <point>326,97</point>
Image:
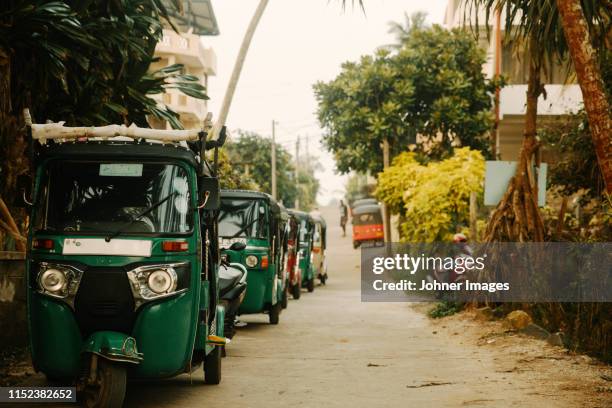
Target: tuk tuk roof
<point>118,150</point>
<point>300,215</point>
<point>364,201</point>
<point>366,209</point>
<point>284,212</point>
<point>319,219</point>
<point>252,194</point>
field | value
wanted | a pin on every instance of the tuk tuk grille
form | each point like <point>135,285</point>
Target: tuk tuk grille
<point>104,301</point>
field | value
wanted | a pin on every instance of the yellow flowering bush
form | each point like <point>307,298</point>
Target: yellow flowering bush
<point>432,199</point>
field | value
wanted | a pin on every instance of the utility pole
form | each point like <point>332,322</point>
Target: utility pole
<point>497,68</point>
<point>386,214</point>
<point>274,159</point>
<point>297,173</point>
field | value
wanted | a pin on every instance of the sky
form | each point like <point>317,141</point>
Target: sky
<point>297,43</point>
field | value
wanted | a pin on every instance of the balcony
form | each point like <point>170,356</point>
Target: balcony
<point>560,100</point>
<point>187,49</point>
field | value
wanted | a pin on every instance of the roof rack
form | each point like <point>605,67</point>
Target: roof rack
<point>59,132</point>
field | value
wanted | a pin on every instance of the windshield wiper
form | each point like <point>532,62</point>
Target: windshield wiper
<point>139,216</point>
<point>244,228</point>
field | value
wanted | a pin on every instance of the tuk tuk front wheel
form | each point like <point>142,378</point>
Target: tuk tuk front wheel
<point>212,366</point>
<point>296,290</point>
<point>274,314</point>
<point>108,387</point>
<point>285,298</point>
<point>310,285</point>
<point>229,328</point>
<point>323,278</point>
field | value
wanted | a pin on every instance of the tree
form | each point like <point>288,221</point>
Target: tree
<point>596,102</point>
<point>403,32</point>
<point>308,185</point>
<point>569,140</point>
<point>433,199</point>
<point>250,154</point>
<point>85,63</point>
<point>230,176</point>
<point>517,216</point>
<point>432,86</point>
<point>357,187</point>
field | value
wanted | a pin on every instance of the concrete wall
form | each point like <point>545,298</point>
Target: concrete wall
<point>13,327</point>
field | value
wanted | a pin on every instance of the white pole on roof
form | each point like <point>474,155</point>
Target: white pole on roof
<point>233,82</point>
<point>49,131</point>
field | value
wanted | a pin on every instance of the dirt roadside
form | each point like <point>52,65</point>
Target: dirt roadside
<point>534,366</point>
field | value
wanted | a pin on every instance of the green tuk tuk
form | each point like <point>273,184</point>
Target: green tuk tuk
<point>285,251</point>
<point>123,260</point>
<point>304,259</point>
<point>254,219</point>
<point>319,245</point>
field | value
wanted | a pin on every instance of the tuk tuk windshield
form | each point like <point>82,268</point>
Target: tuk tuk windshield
<point>367,218</point>
<point>242,218</point>
<point>304,231</point>
<point>97,197</point>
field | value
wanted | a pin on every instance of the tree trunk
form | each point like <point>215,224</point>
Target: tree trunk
<point>517,216</point>
<point>589,77</point>
<point>12,160</point>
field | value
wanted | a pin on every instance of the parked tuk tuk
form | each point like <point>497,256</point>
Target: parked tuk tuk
<point>367,225</point>
<point>284,254</point>
<point>294,278</point>
<point>123,259</point>
<point>254,218</point>
<point>319,243</point>
<point>304,259</point>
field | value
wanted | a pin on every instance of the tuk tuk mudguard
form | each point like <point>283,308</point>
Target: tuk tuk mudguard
<point>258,291</point>
<point>113,346</point>
<point>306,269</point>
<point>55,339</point>
<point>160,332</point>
<point>219,321</point>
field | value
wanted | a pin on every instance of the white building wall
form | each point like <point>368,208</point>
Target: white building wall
<point>561,99</point>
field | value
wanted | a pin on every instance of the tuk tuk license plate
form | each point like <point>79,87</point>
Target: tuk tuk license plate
<point>227,242</point>
<point>98,246</point>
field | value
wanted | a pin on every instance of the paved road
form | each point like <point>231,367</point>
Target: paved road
<point>331,350</point>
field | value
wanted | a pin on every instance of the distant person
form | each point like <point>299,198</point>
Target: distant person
<point>343,217</point>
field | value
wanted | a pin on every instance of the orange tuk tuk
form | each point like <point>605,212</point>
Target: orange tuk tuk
<point>367,225</point>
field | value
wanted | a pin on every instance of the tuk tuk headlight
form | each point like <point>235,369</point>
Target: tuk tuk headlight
<point>161,281</point>
<point>53,280</point>
<point>251,261</point>
<point>150,282</point>
<point>59,281</point>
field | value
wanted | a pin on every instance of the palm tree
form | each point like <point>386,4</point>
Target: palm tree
<point>402,32</point>
<point>517,217</point>
<point>596,102</point>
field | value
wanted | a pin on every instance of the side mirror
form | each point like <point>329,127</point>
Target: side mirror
<point>24,191</point>
<point>209,193</point>
<point>237,246</point>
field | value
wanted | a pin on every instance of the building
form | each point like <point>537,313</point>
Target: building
<point>563,94</point>
<point>187,47</point>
